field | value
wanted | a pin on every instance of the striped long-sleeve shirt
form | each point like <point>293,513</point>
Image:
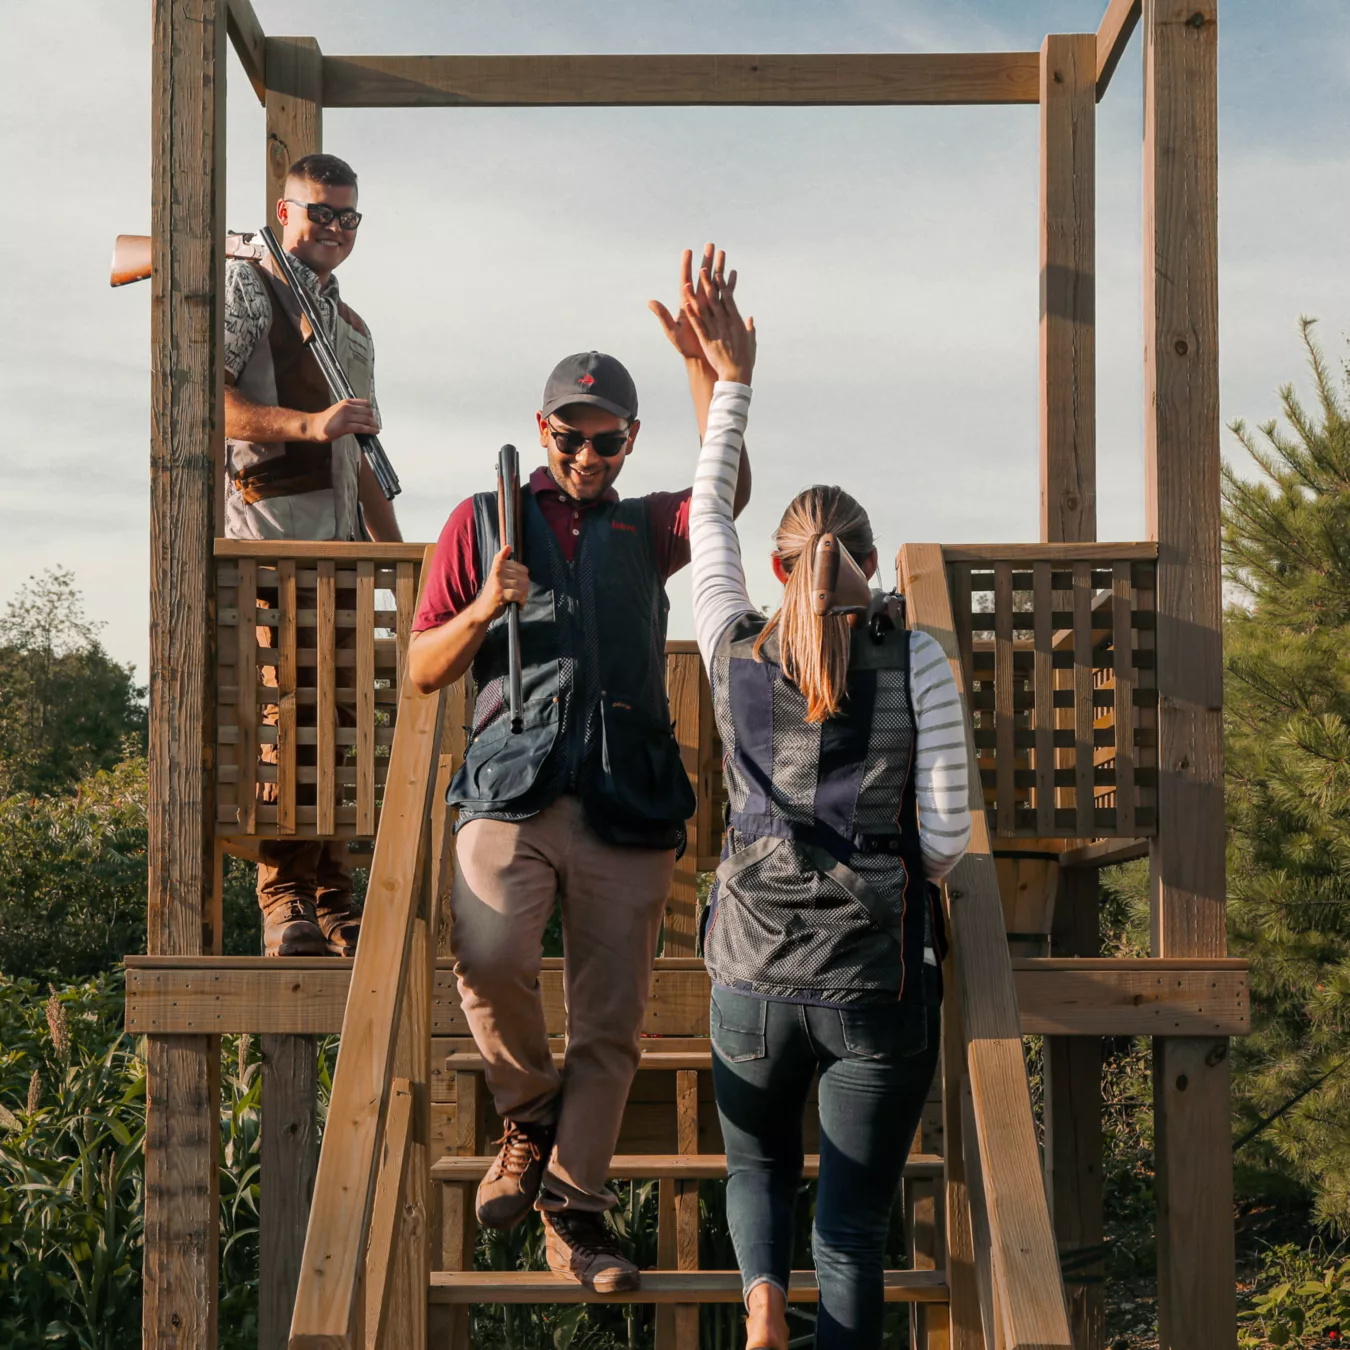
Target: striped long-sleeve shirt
<point>721,597</point>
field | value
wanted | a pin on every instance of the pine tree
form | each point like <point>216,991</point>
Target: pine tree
<point>1287,740</point>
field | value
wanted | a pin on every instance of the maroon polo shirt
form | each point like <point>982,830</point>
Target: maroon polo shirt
<point>453,581</point>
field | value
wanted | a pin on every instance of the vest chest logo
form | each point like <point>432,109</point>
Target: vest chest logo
<point>622,525</point>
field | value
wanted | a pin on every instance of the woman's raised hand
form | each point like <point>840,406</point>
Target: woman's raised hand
<point>677,327</point>
<point>709,310</point>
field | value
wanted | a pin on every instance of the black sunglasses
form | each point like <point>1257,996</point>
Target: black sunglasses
<point>319,214</point>
<point>607,444</point>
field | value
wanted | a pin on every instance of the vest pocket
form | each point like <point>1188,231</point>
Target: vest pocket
<point>641,774</point>
<point>501,765</point>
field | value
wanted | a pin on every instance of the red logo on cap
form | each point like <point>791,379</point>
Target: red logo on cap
<point>587,380</point>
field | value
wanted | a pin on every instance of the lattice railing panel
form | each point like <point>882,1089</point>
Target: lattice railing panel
<point>311,645</point>
<point>1059,656</point>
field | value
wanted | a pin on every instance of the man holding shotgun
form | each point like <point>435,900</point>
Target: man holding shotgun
<point>584,805</point>
<point>294,470</point>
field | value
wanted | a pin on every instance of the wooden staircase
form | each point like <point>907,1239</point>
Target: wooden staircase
<point>389,1249</point>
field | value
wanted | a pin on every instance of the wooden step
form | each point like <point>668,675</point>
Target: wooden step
<point>658,1286</point>
<point>472,1062</point>
<point>663,1166</point>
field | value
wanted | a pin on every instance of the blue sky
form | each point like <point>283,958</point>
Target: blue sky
<point>888,255</point>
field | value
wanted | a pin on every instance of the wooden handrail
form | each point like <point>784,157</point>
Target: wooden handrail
<point>327,1301</point>
<point>1028,1292</point>
<point>308,550</point>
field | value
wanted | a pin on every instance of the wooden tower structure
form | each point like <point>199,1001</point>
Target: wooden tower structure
<point>1092,672</point>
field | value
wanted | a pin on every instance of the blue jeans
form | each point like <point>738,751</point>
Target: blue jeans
<point>876,1063</point>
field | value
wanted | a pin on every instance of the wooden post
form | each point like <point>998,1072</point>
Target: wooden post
<point>1196,1299</point>
<point>290,1158</point>
<point>186,454</point>
<point>294,74</point>
<point>1072,1065</point>
<point>1073,1124</point>
<point>1068,287</point>
<point>290,1068</point>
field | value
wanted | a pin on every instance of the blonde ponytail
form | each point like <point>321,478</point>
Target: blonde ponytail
<point>814,648</point>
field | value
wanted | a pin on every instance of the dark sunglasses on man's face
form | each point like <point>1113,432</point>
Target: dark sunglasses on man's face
<point>605,443</point>
<point>319,214</point>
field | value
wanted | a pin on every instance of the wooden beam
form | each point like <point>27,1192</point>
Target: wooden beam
<point>1144,551</point>
<point>658,1286</point>
<point>1113,36</point>
<point>665,1166</point>
<point>1073,1124</point>
<point>1068,417</point>
<point>1023,1259</point>
<point>290,1157</point>
<point>386,1220</point>
<point>250,45</point>
<point>1104,853</point>
<point>327,1306</point>
<point>305,550</point>
<point>307,996</point>
<point>181,1266</point>
<point>559,80</point>
<point>294,102</point>
<point>1196,1299</point>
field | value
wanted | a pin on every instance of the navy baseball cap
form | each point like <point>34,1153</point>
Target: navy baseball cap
<point>594,378</point>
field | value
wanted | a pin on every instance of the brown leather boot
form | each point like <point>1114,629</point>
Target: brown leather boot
<point>290,928</point>
<point>508,1191</point>
<point>580,1246</point>
<point>340,922</point>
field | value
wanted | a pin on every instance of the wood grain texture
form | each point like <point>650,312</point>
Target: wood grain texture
<point>1113,36</point>
<point>288,643</point>
<point>246,698</point>
<point>326,1303</point>
<point>345,553</point>
<point>1023,1257</point>
<point>1122,644</point>
<point>561,80</point>
<point>386,1220</point>
<point>309,996</point>
<point>1131,551</point>
<point>365,697</point>
<point>326,713</point>
<point>1181,448</point>
<point>1193,1155</point>
<point>290,1157</point>
<point>182,1192</point>
<point>1068,352</point>
<point>1083,704</point>
<point>965,1330</point>
<point>181,1214</point>
<point>1043,684</point>
<point>990,1322</point>
<point>658,1286</point>
<point>294,101</point>
<point>1004,720</point>
<point>250,45</point>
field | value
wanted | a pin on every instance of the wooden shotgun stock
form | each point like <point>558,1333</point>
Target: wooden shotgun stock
<point>839,586</point>
<point>131,255</point>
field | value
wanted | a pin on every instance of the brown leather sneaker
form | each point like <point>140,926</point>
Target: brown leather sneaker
<point>581,1247</point>
<point>506,1194</point>
<point>340,922</point>
<point>290,929</point>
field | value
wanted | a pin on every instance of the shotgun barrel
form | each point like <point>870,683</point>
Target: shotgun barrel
<point>508,530</point>
<point>339,386</point>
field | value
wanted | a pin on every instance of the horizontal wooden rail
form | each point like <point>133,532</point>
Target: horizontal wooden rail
<point>327,1305</point>
<point>1140,551</point>
<point>559,80</point>
<point>668,1166</point>
<point>658,1286</point>
<point>307,996</point>
<point>307,550</point>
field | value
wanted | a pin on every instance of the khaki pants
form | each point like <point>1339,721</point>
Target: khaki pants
<point>507,879</point>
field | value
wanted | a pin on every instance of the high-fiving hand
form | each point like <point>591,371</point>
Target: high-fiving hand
<point>709,310</point>
<point>677,327</point>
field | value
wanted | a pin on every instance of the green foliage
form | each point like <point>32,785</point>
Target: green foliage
<point>1287,739</point>
<point>1302,1296</point>
<point>66,708</point>
<point>73,876</point>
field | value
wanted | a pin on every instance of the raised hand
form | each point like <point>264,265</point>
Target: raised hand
<point>709,309</point>
<point>677,327</point>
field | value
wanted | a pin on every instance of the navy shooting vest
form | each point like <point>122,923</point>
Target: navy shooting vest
<point>593,683</point>
<point>821,895</point>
